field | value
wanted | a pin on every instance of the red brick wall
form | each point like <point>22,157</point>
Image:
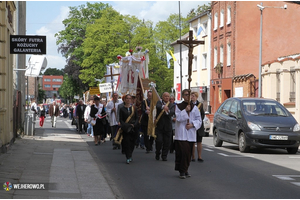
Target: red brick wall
<point>51,82</point>
<point>280,36</point>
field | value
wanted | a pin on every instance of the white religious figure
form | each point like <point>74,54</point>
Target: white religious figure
<point>131,66</point>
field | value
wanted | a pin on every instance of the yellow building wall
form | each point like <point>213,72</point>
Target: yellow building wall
<point>7,28</point>
<point>270,82</point>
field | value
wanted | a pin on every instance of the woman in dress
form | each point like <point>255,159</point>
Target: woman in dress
<point>129,125</point>
<point>200,131</point>
<point>97,113</point>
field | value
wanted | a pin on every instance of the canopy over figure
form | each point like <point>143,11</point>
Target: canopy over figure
<point>132,67</point>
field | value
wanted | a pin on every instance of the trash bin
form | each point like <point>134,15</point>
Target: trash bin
<point>29,123</point>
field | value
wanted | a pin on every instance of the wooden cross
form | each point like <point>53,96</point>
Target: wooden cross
<point>190,44</point>
<point>111,77</point>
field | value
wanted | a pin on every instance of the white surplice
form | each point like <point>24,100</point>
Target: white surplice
<point>112,117</point>
<point>181,133</point>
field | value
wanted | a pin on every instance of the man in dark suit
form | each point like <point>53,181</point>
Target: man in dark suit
<point>163,128</point>
<point>53,112</point>
<point>148,140</point>
<point>80,116</point>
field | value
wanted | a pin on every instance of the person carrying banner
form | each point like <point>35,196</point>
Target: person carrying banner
<point>163,130</point>
<point>148,140</point>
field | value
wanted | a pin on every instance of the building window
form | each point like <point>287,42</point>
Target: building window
<point>195,63</point>
<point>204,66</point>
<point>221,55</point>
<point>216,21</point>
<point>56,80</point>
<point>47,86</point>
<point>228,15</point>
<point>204,25</point>
<point>56,86</point>
<point>195,32</point>
<point>293,85</point>
<point>47,80</point>
<point>228,54</point>
<point>215,56</point>
<point>222,18</point>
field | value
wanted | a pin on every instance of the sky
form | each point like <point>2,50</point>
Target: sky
<point>45,18</point>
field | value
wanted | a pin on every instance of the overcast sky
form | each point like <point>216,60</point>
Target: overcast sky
<point>45,18</point>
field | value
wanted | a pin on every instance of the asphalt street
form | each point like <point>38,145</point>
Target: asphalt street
<point>225,173</point>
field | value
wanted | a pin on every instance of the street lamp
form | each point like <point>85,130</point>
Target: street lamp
<point>261,7</point>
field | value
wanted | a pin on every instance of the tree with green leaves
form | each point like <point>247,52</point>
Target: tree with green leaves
<point>41,94</point>
<point>103,43</point>
<point>53,71</point>
<point>71,38</point>
<point>69,88</point>
<point>200,9</point>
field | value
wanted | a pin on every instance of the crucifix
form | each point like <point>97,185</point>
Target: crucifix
<point>112,84</point>
<point>111,78</point>
<point>190,44</point>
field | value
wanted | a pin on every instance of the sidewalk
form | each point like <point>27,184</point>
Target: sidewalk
<point>55,156</point>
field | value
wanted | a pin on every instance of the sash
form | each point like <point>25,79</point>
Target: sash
<point>143,113</point>
<point>199,106</point>
<point>119,137</point>
<point>156,120</point>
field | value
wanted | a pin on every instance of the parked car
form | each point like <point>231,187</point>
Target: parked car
<point>206,123</point>
<point>255,122</point>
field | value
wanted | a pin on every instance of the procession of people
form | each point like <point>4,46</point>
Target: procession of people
<point>135,117</point>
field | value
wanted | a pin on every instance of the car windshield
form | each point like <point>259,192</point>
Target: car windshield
<point>264,107</point>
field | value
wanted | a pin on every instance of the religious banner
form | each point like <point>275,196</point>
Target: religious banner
<point>155,98</point>
<point>131,68</point>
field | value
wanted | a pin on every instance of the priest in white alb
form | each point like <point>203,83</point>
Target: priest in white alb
<point>188,120</point>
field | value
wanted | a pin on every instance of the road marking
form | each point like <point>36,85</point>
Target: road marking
<point>208,149</point>
<point>296,183</point>
<point>235,156</point>
<point>69,125</point>
<point>294,157</point>
<point>289,178</point>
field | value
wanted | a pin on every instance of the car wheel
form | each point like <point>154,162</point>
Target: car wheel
<point>243,147</point>
<point>217,141</point>
<point>292,150</point>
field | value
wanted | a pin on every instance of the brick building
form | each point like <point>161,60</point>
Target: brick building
<point>235,33</point>
<point>51,85</point>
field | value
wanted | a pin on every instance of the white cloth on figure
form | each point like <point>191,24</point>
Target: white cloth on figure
<point>112,117</point>
<point>131,67</point>
<point>181,133</point>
